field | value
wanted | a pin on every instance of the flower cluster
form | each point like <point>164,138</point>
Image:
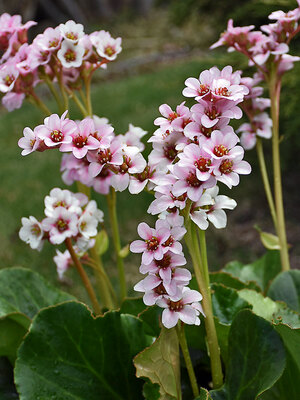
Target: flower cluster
<point>166,282</point>
<point>68,215</point>
<point>64,54</point>
<point>269,45</point>
<point>193,150</point>
<point>97,157</point>
<point>260,124</point>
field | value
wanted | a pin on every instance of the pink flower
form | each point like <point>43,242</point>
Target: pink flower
<point>133,137</point>
<point>230,169</point>
<point>152,245</point>
<point>82,139</point>
<point>56,130</point>
<point>12,101</point>
<point>189,183</point>
<point>187,309</point>
<point>211,112</point>
<point>49,40</point>
<point>61,225</point>
<point>8,75</point>
<point>30,142</point>
<point>107,156</point>
<point>234,36</point>
<point>133,163</point>
<point>171,118</point>
<point>63,262</point>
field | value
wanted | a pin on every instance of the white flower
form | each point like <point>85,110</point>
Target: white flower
<point>70,55</point>
<point>71,31</point>
<point>32,232</point>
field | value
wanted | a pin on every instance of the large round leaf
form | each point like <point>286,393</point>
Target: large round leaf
<point>69,355</point>
<point>261,271</point>
<point>256,358</point>
<point>26,292</point>
<point>22,294</point>
<point>286,287</point>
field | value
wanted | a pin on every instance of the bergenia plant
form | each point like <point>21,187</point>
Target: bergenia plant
<point>228,323</point>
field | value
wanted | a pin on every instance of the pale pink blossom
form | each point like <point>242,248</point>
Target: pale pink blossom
<point>8,75</point>
<point>32,232</point>
<point>61,225</point>
<point>12,101</point>
<point>82,139</point>
<point>63,198</point>
<point>152,244</point>
<point>187,309</point>
<point>69,55</point>
<point>29,142</point>
<point>71,31</point>
<point>56,130</point>
<point>107,156</point>
<point>106,46</point>
<point>63,262</point>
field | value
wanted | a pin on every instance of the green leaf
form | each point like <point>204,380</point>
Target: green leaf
<point>26,292</point>
<point>102,242</point>
<point>151,390</point>
<point>256,358</point>
<point>286,287</point>
<point>262,271</point>
<point>287,387</point>
<point>204,395</point>
<point>150,315</point>
<point>68,354</point>
<point>230,281</point>
<point>226,303</point>
<point>270,310</point>
<point>160,363</point>
<point>22,294</point>
<point>133,306</point>
<point>270,241</point>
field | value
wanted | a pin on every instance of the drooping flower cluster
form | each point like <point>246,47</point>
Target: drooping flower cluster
<point>64,54</point>
<point>269,45</point>
<point>166,282</point>
<point>193,150</point>
<point>97,157</point>
<point>68,215</point>
<point>260,124</point>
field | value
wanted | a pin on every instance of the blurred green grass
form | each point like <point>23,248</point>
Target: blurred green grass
<point>25,181</point>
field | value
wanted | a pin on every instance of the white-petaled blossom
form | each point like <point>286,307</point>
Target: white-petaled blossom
<point>32,232</point>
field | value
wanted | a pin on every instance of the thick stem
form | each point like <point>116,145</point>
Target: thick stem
<point>265,178</point>
<point>187,358</point>
<point>112,209</point>
<point>84,277</point>
<point>106,289</point>
<point>212,339</point>
<point>204,260</point>
<point>274,87</point>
